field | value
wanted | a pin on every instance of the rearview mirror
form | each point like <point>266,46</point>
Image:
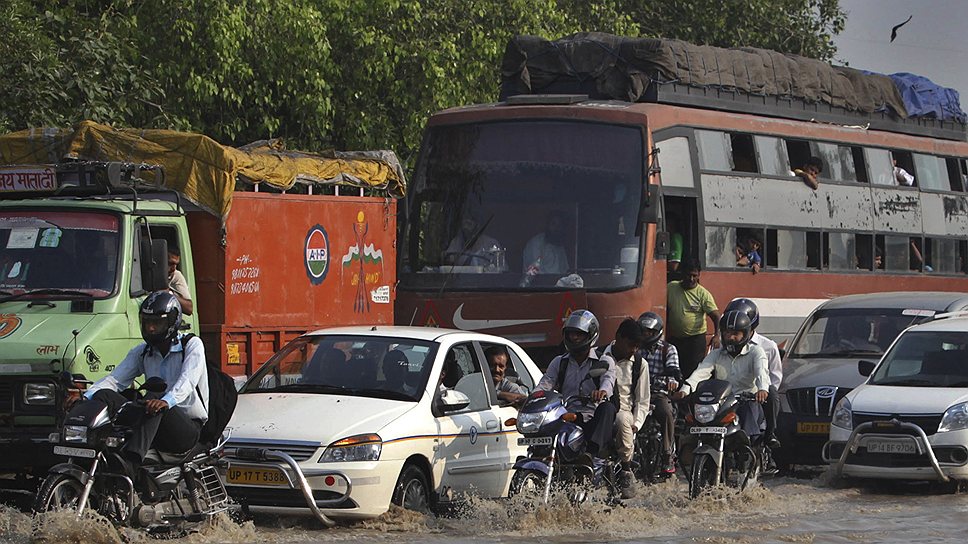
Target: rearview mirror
<point>451,400</point>
<point>154,265</point>
<point>866,368</point>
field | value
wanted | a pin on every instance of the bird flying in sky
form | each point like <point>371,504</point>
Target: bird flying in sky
<point>894,30</point>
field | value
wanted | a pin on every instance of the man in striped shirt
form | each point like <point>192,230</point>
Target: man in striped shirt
<point>663,362</point>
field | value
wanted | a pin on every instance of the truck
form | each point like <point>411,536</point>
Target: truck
<point>272,243</point>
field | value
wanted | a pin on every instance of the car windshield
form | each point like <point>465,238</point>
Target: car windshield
<point>926,359</point>
<point>850,333</point>
<point>368,366</point>
<point>56,251</point>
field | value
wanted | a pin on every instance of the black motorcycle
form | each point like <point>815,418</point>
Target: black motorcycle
<point>722,452</point>
<point>170,493</point>
<point>649,456</point>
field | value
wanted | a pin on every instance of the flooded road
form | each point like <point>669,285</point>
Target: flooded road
<point>781,510</point>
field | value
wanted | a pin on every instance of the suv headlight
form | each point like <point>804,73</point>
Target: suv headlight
<point>705,412</point>
<point>954,418</point>
<point>843,417</point>
<point>75,433</point>
<point>39,394</point>
<point>362,447</point>
<point>530,423</point>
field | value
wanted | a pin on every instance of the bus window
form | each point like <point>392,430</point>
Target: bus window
<point>956,173</point>
<point>839,250</point>
<point>798,152</point>
<point>881,169</point>
<point>720,246</point>
<point>931,172</point>
<point>943,255</point>
<point>838,161</point>
<point>897,254</point>
<point>772,155</point>
<point>905,161</point>
<point>715,151</point>
<point>860,167</point>
<point>744,157</point>
<point>676,162</point>
<point>788,249</point>
<point>865,251</point>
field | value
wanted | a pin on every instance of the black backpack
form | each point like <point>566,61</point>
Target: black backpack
<point>222,398</point>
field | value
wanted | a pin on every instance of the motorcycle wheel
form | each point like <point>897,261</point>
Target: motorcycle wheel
<point>703,475</point>
<point>58,492</point>
<point>752,475</point>
<point>527,482</point>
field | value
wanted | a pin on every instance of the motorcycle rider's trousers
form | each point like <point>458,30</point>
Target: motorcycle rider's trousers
<point>171,431</point>
<point>600,429</point>
<point>662,408</point>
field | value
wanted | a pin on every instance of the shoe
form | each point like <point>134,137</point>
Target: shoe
<point>625,481</point>
<point>670,466</point>
<point>586,459</point>
<point>772,442</point>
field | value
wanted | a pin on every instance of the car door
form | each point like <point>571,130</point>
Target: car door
<point>461,452</point>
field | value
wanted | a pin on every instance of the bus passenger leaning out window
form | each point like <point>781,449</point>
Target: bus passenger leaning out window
<point>809,172</point>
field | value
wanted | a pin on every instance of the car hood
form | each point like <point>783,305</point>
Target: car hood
<point>312,417</point>
<point>887,399</point>
<point>841,372</point>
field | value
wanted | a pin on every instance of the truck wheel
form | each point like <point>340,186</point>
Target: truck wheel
<point>703,475</point>
<point>412,490</point>
<point>58,492</point>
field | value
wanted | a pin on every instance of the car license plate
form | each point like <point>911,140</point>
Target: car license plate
<point>246,475</point>
<point>74,452</point>
<point>888,445</point>
<point>536,441</point>
<point>813,427</point>
<point>707,430</point>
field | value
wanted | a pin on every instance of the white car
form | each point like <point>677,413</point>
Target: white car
<point>909,420</point>
<point>359,417</point>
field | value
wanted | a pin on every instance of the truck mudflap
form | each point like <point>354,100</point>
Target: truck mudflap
<point>859,432</point>
<point>262,455</point>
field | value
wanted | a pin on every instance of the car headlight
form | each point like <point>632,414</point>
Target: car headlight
<point>705,412</point>
<point>39,394</point>
<point>362,447</point>
<point>954,418</point>
<point>843,417</point>
<point>75,433</point>
<point>530,423</point>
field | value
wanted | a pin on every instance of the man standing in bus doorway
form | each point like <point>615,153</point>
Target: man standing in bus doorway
<point>688,304</point>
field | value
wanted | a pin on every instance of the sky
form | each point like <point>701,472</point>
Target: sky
<point>933,44</point>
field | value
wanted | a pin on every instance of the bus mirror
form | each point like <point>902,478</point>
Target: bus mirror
<point>154,265</point>
<point>649,206</point>
<point>662,244</point>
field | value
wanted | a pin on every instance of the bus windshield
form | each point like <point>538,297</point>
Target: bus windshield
<point>526,204</point>
<point>49,251</point>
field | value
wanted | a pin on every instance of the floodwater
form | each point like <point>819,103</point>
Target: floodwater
<point>779,510</point>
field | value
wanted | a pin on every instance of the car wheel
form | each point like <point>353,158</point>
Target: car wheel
<point>412,490</point>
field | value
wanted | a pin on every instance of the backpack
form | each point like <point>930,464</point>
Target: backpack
<point>222,398</point>
<point>636,372</point>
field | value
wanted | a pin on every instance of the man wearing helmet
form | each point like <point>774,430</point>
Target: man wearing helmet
<point>740,363</point>
<point>664,372</point>
<point>174,418</point>
<point>774,365</point>
<point>569,375</point>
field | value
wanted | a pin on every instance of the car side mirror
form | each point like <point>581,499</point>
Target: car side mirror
<point>866,368</point>
<point>598,369</point>
<point>452,401</point>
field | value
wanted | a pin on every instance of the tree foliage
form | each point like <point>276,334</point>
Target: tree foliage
<point>350,74</point>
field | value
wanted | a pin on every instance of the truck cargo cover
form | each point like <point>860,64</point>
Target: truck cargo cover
<point>199,167</point>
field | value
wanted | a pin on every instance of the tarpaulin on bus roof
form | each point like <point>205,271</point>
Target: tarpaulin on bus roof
<point>199,167</point>
<point>923,97</point>
<point>624,68</point>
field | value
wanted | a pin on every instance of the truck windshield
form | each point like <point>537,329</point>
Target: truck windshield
<point>850,333</point>
<point>532,204</point>
<point>926,359</point>
<point>369,366</point>
<point>50,251</point>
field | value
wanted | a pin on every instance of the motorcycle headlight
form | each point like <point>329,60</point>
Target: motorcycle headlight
<point>530,423</point>
<point>75,433</point>
<point>362,447</point>
<point>954,418</point>
<point>705,412</point>
<point>39,394</point>
<point>843,417</point>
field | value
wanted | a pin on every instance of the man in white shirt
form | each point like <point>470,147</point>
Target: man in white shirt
<point>901,176</point>
<point>774,365</point>
<point>177,285</point>
<point>631,395</point>
<point>546,250</point>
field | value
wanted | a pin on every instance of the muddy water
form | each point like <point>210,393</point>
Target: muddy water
<point>782,510</point>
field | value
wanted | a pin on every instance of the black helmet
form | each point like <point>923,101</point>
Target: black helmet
<point>581,321</point>
<point>747,306</point>
<point>161,309</point>
<point>735,320</point>
<point>651,325</point>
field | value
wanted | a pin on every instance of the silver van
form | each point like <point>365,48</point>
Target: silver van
<point>820,366</point>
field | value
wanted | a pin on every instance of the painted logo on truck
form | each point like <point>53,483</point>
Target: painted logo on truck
<point>317,254</point>
<point>8,324</point>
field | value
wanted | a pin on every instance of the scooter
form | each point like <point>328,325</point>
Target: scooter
<point>171,496</point>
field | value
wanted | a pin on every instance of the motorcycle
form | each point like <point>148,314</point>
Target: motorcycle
<point>649,455</point>
<point>723,452</point>
<point>171,496</point>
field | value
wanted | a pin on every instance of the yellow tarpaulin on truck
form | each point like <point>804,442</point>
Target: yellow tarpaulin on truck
<point>199,167</point>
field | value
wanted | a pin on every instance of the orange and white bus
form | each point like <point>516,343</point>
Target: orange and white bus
<point>611,183</point>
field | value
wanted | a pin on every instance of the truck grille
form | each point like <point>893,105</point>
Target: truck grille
<point>6,398</point>
<point>805,401</point>
<point>929,423</point>
<point>299,451</point>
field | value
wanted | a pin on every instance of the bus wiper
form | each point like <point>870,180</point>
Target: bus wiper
<point>47,291</point>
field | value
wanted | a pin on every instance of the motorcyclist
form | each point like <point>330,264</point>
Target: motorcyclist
<point>774,364</point>
<point>664,372</point>
<point>631,396</point>
<point>174,418</point>
<point>740,363</point>
<point>568,374</point>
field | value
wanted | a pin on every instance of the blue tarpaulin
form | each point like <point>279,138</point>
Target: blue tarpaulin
<point>924,98</point>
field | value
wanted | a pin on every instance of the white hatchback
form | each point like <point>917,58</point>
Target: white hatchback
<point>342,422</point>
<point>909,420</point>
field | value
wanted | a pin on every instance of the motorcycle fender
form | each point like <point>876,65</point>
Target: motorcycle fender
<point>531,464</point>
<point>713,453</point>
<point>70,469</point>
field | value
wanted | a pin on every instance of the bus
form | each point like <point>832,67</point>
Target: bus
<point>611,183</point>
